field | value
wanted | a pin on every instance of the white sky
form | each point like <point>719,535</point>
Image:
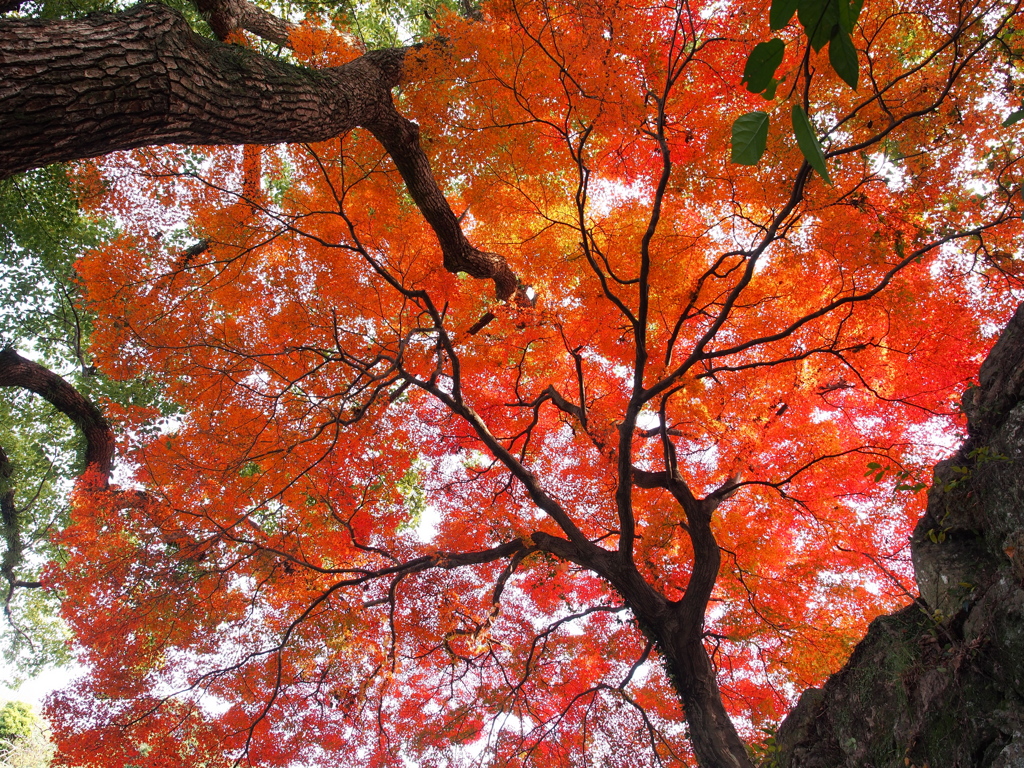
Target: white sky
<point>33,691</point>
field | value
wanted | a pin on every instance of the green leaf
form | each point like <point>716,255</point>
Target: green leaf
<point>782,11</point>
<point>845,15</point>
<point>808,143</point>
<point>843,57</point>
<point>855,9</point>
<point>912,487</point>
<point>762,63</point>
<point>16,721</point>
<point>749,138</point>
<point>819,18</point>
<point>769,93</point>
<point>1015,117</point>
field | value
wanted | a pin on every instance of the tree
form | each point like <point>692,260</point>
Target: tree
<point>677,435</point>
<point>23,743</point>
<point>15,723</point>
<point>42,232</point>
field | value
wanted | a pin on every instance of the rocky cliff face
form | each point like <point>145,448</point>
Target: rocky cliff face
<point>941,683</point>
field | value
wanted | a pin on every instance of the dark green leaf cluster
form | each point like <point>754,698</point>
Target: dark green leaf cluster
<point>905,481</point>
<point>76,9</point>
<point>824,22</point>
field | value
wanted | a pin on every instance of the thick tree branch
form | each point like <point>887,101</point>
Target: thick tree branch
<point>16,371</point>
<point>401,138</point>
<point>227,16</point>
<point>75,88</point>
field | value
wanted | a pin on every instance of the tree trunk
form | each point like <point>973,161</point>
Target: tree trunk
<point>678,631</point>
<point>78,88</point>
<point>715,740</point>
<point>712,733</point>
<point>713,736</point>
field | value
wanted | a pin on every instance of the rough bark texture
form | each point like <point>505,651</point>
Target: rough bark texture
<point>941,683</point>
<point>226,16</point>
<point>401,139</point>
<point>77,88</point>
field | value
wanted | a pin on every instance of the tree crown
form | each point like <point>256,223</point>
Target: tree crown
<point>424,523</point>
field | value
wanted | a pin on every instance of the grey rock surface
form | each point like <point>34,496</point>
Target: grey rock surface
<point>941,683</point>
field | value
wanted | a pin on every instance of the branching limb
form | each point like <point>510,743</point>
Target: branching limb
<point>565,406</point>
<point>16,371</point>
<point>400,137</point>
<point>227,16</point>
<point>529,480</point>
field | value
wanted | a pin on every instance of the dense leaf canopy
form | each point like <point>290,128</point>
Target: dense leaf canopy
<point>398,520</point>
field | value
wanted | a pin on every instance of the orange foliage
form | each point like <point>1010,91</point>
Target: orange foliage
<point>296,581</point>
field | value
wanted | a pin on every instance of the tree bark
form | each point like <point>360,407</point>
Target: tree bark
<point>401,139</point>
<point>226,16</point>
<point>715,741</point>
<point>678,630</point>
<point>678,627</point>
<point>680,638</point>
<point>77,88</point>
